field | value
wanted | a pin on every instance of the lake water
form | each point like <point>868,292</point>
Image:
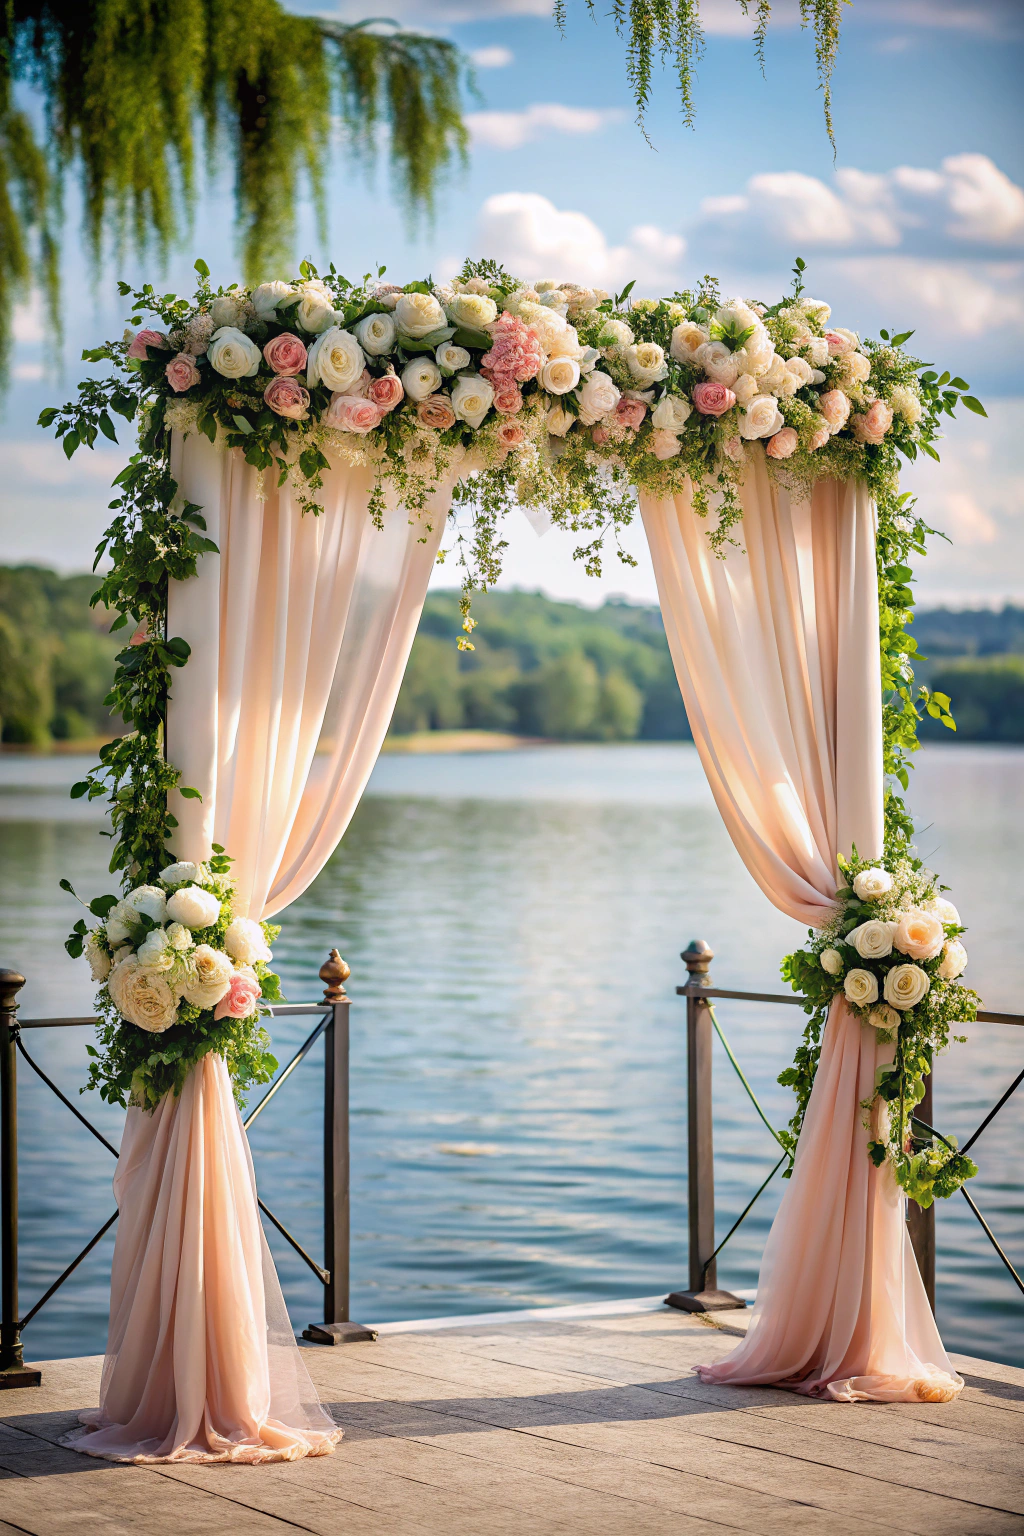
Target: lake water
<point>513,923</point>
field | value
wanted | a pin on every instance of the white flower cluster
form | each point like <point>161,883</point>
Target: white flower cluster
<point>151,958</point>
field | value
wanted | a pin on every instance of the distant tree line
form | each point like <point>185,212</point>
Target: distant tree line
<point>540,668</point>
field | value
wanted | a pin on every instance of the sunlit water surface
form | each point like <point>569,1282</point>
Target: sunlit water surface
<point>513,923</point>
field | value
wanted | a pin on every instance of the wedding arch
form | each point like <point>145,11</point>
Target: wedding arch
<point>300,448</point>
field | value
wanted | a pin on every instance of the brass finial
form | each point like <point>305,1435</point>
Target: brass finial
<point>698,956</point>
<point>334,973</point>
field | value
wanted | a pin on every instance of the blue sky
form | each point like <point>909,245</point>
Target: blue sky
<point>919,223</point>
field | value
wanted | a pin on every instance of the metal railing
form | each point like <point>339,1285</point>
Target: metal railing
<point>702,1293</point>
<point>332,1015</point>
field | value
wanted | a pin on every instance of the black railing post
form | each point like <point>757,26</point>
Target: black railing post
<point>703,1294</point>
<point>13,1370</point>
<point>336,1327</point>
<point>920,1223</point>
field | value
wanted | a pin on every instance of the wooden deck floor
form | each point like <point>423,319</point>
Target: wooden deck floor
<point>587,1426</point>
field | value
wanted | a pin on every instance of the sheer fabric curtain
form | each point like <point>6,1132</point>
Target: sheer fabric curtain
<point>300,631</point>
<point>776,652</point>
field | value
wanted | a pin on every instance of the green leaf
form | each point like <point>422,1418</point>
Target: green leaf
<point>188,793</point>
<point>106,426</point>
<point>66,885</point>
<point>242,424</point>
<point>71,442</point>
<point>101,906</point>
<point>973,405</point>
<point>202,268</point>
<point>48,417</point>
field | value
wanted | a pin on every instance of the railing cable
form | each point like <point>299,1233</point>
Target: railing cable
<point>963,1190</point>
<point>740,1074</point>
<point>37,1069</point>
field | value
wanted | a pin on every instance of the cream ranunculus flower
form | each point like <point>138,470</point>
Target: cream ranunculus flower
<point>564,341</point>
<point>473,397</point>
<point>646,362</point>
<point>919,935</point>
<point>121,922</point>
<point>884,1017</point>
<point>831,961</point>
<point>421,378</point>
<point>315,311</point>
<point>869,884</point>
<point>335,360</point>
<point>954,960</point>
<point>761,418</point>
<point>141,996</point>
<point>942,909</point>
<point>211,976</point>
<point>671,413</point>
<point>559,375</point>
<point>268,297</point>
<point>246,942</point>
<point>418,314</point>
<point>228,308</point>
<point>184,873</point>
<point>450,358</point>
<point>99,960</point>
<point>376,334</point>
<point>687,339</point>
<point>598,397</point>
<point>474,310</point>
<point>718,362</point>
<point>800,369</point>
<point>757,353</point>
<point>194,907</point>
<point>856,369</point>
<point>179,937</point>
<point>233,355</point>
<point>905,986</point>
<point>872,940</point>
<point>817,351</point>
<point>861,987</point>
<point>816,308</point>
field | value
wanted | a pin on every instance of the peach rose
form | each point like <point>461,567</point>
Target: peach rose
<point>287,397</point>
<point>782,444</point>
<point>835,407</point>
<point>508,399</point>
<point>713,399</point>
<point>436,411</point>
<point>919,935</point>
<point>386,392</point>
<point>286,355</point>
<point>510,434</point>
<point>819,438</point>
<point>873,424</point>
<point>182,372</point>
<point>734,449</point>
<point>663,444</point>
<point>630,413</point>
<point>239,1001</point>
<point>353,413</point>
<point>145,339</point>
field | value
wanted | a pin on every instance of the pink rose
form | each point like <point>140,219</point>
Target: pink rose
<point>353,413</point>
<point>835,407</point>
<point>510,434</point>
<point>820,438</point>
<point>630,413</point>
<point>287,397</point>
<point>436,411</point>
<point>782,444</point>
<point>386,392</point>
<point>361,387</point>
<point>508,399</point>
<point>181,372</point>
<point>286,355</point>
<point>734,449</point>
<point>838,344</point>
<point>663,444</point>
<point>875,422</point>
<point>713,399</point>
<point>239,1001</point>
<point>600,435</point>
<point>146,339</point>
<point>919,934</point>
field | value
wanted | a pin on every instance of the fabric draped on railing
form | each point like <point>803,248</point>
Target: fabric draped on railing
<point>300,630</point>
<point>776,652</point>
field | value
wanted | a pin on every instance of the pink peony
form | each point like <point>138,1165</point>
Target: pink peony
<point>782,444</point>
<point>508,399</point>
<point>820,438</point>
<point>286,355</point>
<point>239,1001</point>
<point>515,354</point>
<point>182,372</point>
<point>630,413</point>
<point>510,434</point>
<point>872,426</point>
<point>838,344</point>
<point>353,413</point>
<point>663,444</point>
<point>436,411</point>
<point>835,407</point>
<point>287,397</point>
<point>713,399</point>
<point>146,339</point>
<point>386,392</point>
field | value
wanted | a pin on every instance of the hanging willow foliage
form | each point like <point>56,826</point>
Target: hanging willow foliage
<point>124,83</point>
<point>670,31</point>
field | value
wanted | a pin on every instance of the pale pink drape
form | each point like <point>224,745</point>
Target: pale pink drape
<point>300,629</point>
<point>776,652</point>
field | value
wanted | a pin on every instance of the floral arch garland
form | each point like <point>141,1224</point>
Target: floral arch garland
<point>552,395</point>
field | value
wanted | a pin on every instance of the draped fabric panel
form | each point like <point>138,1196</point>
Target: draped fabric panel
<point>776,652</point>
<point>300,630</point>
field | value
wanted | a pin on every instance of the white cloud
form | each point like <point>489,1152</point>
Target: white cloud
<point>492,58</point>
<point>968,299</point>
<point>535,239</point>
<point>510,130</point>
<point>27,373</point>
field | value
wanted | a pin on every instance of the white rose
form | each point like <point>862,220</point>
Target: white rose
<point>450,358</point>
<point>194,907</point>
<point>376,334</point>
<point>615,333</point>
<point>872,940</point>
<point>184,873</point>
<point>228,309</point>
<point>774,377</point>
<point>831,961</point>
<point>761,418</point>
<point>646,362</point>
<point>687,340</point>
<point>472,398</point>
<point>335,360</point>
<point>121,923</point>
<point>757,352</point>
<point>954,960</point>
<point>735,315</point>
<point>817,351</point>
<point>598,397</point>
<point>475,310</point>
<point>860,987</point>
<point>99,960</point>
<point>179,937</point>
<point>315,310</point>
<point>801,370</point>
<point>942,909</point>
<point>906,402</point>
<point>559,375</point>
<point>149,899</point>
<point>233,355</point>
<point>154,952</point>
<point>267,298</point>
<point>884,1017</point>
<point>745,388</point>
<point>211,976</point>
<point>872,883</point>
<point>245,941</point>
<point>816,308</point>
<point>417,314</point>
<point>856,369</point>
<point>142,997</point>
<point>718,362</point>
<point>420,378</point>
<point>906,985</point>
<point>850,340</point>
<point>558,421</point>
<point>671,413</point>
<point>564,341</point>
